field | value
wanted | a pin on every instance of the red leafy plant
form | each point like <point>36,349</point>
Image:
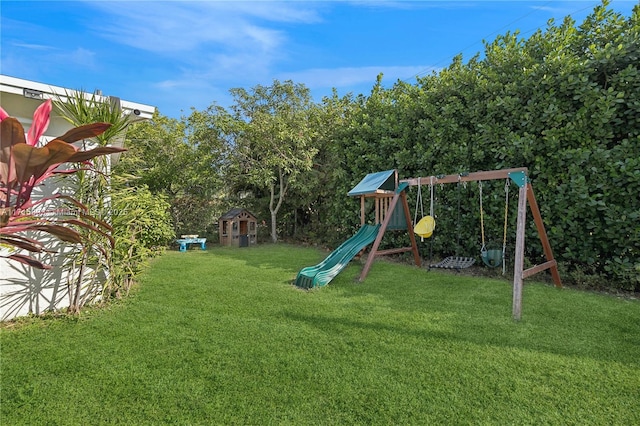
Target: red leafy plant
<point>24,165</point>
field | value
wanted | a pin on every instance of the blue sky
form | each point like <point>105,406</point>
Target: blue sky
<point>177,54</point>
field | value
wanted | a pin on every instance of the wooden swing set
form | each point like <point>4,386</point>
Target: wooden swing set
<point>390,217</point>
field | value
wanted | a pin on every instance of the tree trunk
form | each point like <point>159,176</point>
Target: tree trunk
<point>274,235</point>
<point>274,209</point>
<point>74,306</point>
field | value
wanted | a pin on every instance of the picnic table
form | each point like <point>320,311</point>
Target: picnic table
<point>187,241</point>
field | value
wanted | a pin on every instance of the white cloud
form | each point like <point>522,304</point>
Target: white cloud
<point>211,46</point>
<point>219,40</point>
<point>33,46</point>
<point>78,56</point>
<point>223,40</point>
<point>178,27</point>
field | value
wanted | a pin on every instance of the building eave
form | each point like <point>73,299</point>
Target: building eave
<point>34,90</point>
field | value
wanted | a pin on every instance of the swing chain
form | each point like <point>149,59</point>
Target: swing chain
<point>418,200</point>
<point>483,248</point>
<point>506,215</point>
<point>431,190</point>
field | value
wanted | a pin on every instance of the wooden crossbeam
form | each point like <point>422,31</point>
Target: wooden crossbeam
<point>539,268</point>
<point>393,251</point>
<point>465,177</point>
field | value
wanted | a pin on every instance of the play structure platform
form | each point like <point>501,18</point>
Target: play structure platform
<point>322,273</point>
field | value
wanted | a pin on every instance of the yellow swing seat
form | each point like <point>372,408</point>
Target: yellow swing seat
<point>424,228</point>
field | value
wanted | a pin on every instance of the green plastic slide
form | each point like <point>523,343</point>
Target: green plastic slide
<point>322,273</point>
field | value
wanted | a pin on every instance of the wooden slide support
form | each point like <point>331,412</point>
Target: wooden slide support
<point>398,196</point>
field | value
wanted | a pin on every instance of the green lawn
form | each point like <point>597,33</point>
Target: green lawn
<point>222,337</point>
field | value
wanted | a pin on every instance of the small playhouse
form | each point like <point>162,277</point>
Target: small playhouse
<point>238,228</point>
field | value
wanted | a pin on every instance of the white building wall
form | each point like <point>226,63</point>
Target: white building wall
<point>25,290</point>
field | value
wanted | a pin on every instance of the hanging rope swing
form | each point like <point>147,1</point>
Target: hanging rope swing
<point>424,228</point>
<point>456,262</point>
<point>494,257</point>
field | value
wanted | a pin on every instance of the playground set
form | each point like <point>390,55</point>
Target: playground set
<point>392,213</point>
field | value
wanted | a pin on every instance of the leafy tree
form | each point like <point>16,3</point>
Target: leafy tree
<point>182,160</point>
<point>273,143</point>
<point>158,155</point>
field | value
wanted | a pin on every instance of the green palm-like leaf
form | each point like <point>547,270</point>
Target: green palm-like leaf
<point>92,153</point>
<point>77,109</point>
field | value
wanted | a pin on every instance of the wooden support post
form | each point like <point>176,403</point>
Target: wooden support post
<point>548,253</point>
<point>518,275</point>
<point>362,218</point>
<point>386,206</point>
<point>375,212</point>
<point>376,243</point>
<point>412,236</point>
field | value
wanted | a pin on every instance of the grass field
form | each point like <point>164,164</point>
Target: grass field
<point>222,337</point>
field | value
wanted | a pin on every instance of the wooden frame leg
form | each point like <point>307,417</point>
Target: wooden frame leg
<point>518,273</point>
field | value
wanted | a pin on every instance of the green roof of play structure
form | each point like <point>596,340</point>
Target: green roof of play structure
<point>375,181</point>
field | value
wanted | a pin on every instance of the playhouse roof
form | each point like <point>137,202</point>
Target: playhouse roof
<point>235,212</point>
<point>375,181</point>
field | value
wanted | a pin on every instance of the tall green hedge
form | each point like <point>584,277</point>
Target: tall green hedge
<point>564,102</point>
